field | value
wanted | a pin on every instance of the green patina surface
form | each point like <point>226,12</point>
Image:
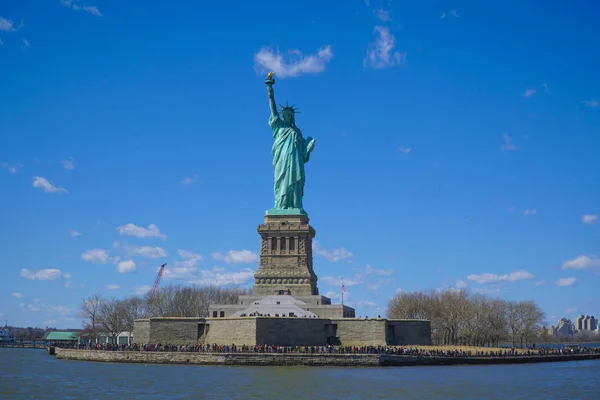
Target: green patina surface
<point>290,152</point>
<point>61,336</point>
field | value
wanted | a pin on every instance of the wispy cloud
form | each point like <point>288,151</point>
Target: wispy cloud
<point>74,233</point>
<point>46,186</point>
<point>145,251</point>
<point>141,232</point>
<point>17,295</point>
<point>24,43</point>
<point>74,4</point>
<point>189,180</point>
<point>237,257</point>
<point>529,92</point>
<point>13,169</point>
<point>97,256</point>
<point>127,266</point>
<point>381,52</point>
<point>68,164</point>
<point>582,262</point>
<point>589,219</point>
<point>113,287</point>
<point>331,255</point>
<point>566,282</point>
<point>591,103</point>
<point>6,25</point>
<point>404,150</point>
<point>508,144</point>
<point>452,13</point>
<point>546,87</point>
<point>382,15</point>
<point>292,63</point>
<point>43,274</point>
<point>494,278</point>
<point>93,10</point>
<point>531,211</point>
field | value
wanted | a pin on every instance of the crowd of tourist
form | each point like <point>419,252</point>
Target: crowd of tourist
<point>329,349</point>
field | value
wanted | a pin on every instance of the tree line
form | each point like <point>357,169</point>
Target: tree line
<point>113,316</point>
<point>461,318</point>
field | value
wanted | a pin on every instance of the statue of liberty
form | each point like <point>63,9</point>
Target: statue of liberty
<point>290,152</point>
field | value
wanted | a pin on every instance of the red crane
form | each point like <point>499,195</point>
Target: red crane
<point>151,293</point>
<point>158,277</point>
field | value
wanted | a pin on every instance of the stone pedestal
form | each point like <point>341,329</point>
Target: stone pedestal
<point>286,262</point>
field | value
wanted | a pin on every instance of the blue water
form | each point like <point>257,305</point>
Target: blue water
<point>33,374</point>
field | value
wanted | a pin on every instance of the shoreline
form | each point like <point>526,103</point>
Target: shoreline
<point>301,359</point>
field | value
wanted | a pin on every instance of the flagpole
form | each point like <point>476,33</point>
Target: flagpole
<point>342,295</point>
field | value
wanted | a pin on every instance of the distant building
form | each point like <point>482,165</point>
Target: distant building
<point>565,327</point>
<point>105,338</point>
<point>586,323</point>
<point>54,337</point>
<point>5,336</point>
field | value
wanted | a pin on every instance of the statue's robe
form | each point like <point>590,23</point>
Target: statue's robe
<point>290,152</point>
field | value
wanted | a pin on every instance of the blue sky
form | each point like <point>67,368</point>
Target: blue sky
<point>132,136</point>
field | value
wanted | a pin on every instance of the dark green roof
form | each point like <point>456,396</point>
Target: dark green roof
<point>62,336</point>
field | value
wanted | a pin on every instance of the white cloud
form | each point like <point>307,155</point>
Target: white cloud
<point>566,282</point>
<point>487,290</point>
<point>93,10</point>
<point>125,267</point>
<point>508,145</point>
<point>368,270</point>
<point>42,183</point>
<point>142,290</point>
<point>381,52</point>
<point>74,233</point>
<point>96,256</point>
<point>530,211</point>
<point>582,262</point>
<point>382,14</point>
<point>146,251</point>
<point>141,232</point>
<point>236,257</point>
<point>13,169</point>
<point>6,25</point>
<point>540,283</point>
<point>529,93</point>
<point>333,255</point>
<point>589,219</point>
<point>68,164</point>
<point>74,4</point>
<point>454,13</point>
<point>332,281</point>
<point>42,274</point>
<point>493,278</point>
<point>404,150</point>
<point>189,181</point>
<point>294,63</point>
<point>113,287</point>
<point>591,103</point>
<point>460,284</point>
<point>17,295</point>
<point>25,43</point>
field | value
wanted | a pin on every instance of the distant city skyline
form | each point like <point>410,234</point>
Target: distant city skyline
<point>456,148</point>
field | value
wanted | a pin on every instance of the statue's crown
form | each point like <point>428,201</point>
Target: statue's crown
<point>287,107</point>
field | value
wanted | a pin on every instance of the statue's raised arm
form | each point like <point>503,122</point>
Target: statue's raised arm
<point>270,82</point>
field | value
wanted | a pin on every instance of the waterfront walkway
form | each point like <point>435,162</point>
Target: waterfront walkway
<point>411,351</point>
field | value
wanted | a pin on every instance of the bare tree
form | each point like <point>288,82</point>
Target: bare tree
<point>189,301</point>
<point>89,312</point>
<point>531,319</point>
<point>112,315</point>
<point>133,307</point>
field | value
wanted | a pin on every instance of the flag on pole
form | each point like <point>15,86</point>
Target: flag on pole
<point>343,288</point>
